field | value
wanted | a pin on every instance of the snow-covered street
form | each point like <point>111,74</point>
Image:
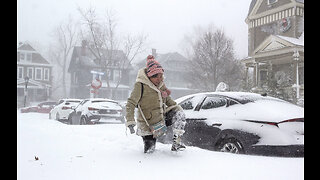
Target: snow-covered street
<point>106,151</point>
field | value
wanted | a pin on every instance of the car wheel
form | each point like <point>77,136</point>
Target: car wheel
<point>231,145</point>
<point>83,120</point>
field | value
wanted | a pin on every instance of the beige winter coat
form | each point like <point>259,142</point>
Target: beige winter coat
<point>152,104</point>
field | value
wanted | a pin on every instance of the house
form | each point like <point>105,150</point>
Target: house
<point>176,73</point>
<point>34,75</point>
<point>276,48</point>
<point>112,72</point>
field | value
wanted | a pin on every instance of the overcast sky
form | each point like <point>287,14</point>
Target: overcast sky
<point>164,21</point>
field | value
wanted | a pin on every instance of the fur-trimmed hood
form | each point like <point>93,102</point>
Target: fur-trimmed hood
<point>143,78</point>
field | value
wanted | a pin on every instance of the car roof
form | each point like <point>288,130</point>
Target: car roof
<point>242,97</point>
<point>100,99</point>
<point>70,99</point>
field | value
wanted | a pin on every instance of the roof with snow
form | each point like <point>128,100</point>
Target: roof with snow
<point>84,57</point>
<point>36,56</point>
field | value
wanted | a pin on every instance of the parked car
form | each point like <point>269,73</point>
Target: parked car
<point>91,111</point>
<point>63,109</point>
<point>240,122</point>
<point>43,107</point>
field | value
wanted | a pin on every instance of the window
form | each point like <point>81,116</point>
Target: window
<point>25,56</point>
<point>20,72</point>
<point>22,56</point>
<point>29,57</point>
<point>38,75</point>
<point>46,74</point>
<point>187,104</point>
<point>30,72</point>
<point>214,102</point>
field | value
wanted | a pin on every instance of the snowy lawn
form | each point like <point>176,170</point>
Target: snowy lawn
<point>104,151</point>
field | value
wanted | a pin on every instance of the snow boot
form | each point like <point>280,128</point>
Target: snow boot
<point>149,144</point>
<point>177,144</point>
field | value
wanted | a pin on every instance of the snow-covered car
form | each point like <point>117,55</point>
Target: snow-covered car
<point>63,109</point>
<point>240,122</point>
<point>43,107</point>
<point>93,110</point>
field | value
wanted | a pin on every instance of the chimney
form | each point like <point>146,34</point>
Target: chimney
<point>154,53</point>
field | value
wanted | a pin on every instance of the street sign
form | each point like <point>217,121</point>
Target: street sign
<point>96,83</point>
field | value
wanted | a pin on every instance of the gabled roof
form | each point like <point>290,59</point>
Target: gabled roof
<point>276,45</point>
<point>89,60</point>
<point>25,46</point>
<point>255,5</point>
<point>36,56</point>
<point>172,61</point>
<point>276,42</point>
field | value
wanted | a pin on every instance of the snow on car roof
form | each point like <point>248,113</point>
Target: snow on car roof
<point>239,96</point>
<point>101,100</point>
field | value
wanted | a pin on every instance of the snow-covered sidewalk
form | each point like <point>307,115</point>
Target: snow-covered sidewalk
<point>105,151</point>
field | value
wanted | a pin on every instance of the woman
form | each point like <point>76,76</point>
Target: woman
<point>151,94</point>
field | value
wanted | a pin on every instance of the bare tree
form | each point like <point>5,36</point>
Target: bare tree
<point>65,38</point>
<point>104,42</point>
<point>212,59</point>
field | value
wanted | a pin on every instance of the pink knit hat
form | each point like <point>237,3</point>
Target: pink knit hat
<point>153,66</point>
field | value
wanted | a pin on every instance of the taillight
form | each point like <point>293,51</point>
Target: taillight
<point>92,109</point>
<point>272,123</point>
<point>65,107</point>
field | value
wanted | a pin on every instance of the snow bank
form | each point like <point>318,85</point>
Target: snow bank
<point>104,151</point>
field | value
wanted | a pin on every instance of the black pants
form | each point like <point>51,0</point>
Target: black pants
<point>149,143</point>
<point>174,118</point>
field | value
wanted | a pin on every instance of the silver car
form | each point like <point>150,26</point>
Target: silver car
<point>93,110</point>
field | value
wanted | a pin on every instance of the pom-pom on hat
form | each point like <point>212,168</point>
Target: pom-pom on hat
<point>153,66</point>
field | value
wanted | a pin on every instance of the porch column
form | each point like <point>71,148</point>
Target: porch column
<point>256,74</point>
<point>246,74</point>
<point>296,56</point>
<point>270,74</point>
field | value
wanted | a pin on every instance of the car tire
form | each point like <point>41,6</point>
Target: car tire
<point>231,145</point>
